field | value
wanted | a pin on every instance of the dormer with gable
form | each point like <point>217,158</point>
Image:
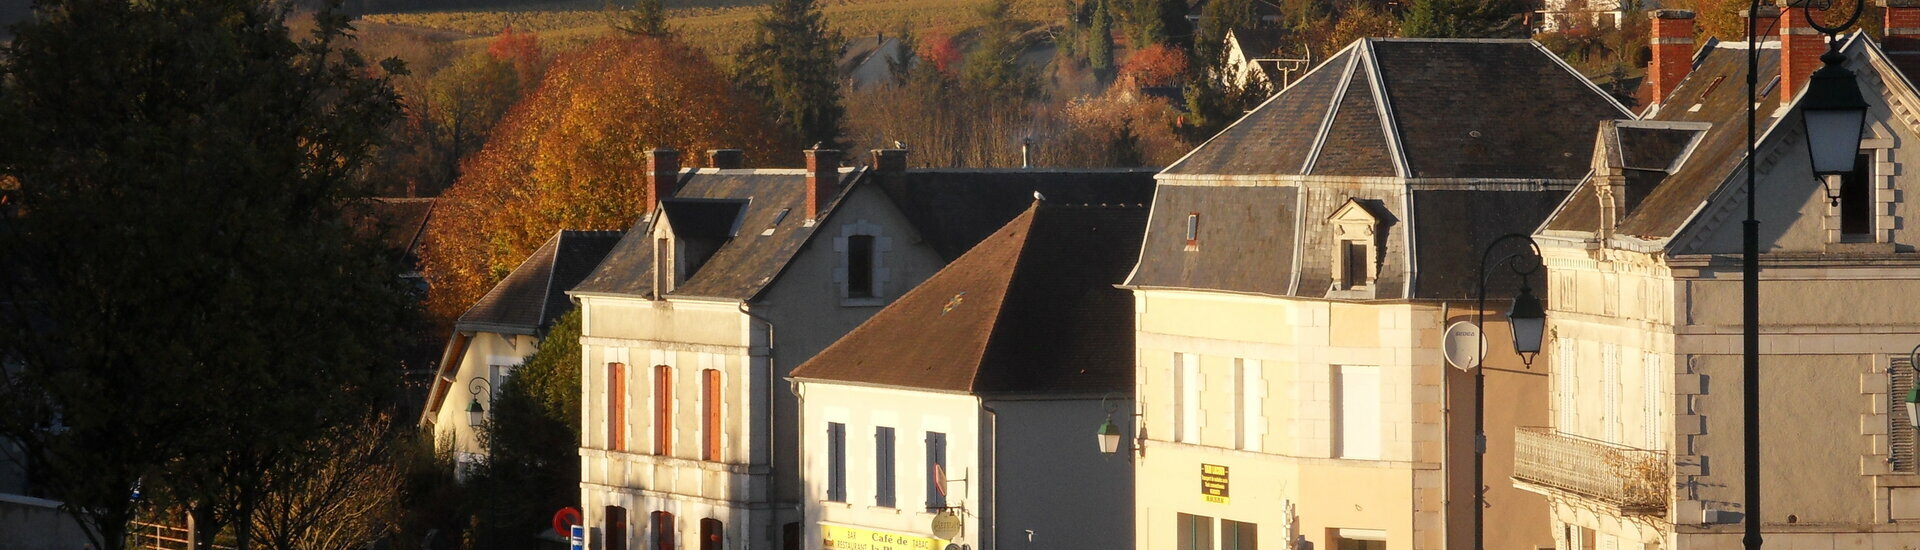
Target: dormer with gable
<point>1358,230</point>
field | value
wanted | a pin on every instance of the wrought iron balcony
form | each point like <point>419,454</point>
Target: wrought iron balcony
<point>1637,481</point>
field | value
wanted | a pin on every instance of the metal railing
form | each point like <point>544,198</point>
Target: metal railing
<point>1638,481</point>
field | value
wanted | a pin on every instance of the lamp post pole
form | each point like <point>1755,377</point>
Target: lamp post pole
<point>1526,307</point>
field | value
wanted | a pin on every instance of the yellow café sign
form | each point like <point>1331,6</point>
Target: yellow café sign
<point>837,537</point>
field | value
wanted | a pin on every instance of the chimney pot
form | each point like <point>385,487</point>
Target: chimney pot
<point>894,161</point>
<point>1672,37</point>
<point>663,175</point>
<point>1800,45</point>
<point>726,159</point>
<point>823,179</point>
<point>1902,31</point>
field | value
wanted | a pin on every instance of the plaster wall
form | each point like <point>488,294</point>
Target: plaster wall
<point>912,414</point>
<point>485,352</point>
<point>1052,478</point>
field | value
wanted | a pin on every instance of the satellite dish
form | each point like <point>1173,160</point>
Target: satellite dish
<point>1463,344</point>
<point>946,526</point>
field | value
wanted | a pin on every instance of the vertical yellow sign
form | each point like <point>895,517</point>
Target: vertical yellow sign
<point>1213,483</point>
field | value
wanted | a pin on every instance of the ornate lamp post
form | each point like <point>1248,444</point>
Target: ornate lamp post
<point>476,414</point>
<point>1527,322</point>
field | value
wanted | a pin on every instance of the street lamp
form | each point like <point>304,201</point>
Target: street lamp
<point>1527,321</point>
<point>477,415</point>
<point>1833,114</point>
<point>1109,434</point>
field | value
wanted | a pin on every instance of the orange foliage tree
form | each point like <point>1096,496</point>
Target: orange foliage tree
<point>571,155</point>
<point>1155,65</point>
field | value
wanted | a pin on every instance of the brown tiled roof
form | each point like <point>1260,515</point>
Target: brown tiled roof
<point>744,264</point>
<point>534,294</point>
<point>1031,309</point>
<point>1660,203</point>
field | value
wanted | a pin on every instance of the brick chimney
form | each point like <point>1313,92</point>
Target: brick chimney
<point>663,174</point>
<point>1800,45</point>
<point>726,159</point>
<point>1902,33</point>
<point>1768,23</point>
<point>1672,36</point>
<point>893,162</point>
<point>823,179</point>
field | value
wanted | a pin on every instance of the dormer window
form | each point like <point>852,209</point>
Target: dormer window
<point>1356,229</point>
<point>1193,231</point>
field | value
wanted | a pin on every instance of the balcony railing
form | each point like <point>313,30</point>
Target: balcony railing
<point>1638,481</point>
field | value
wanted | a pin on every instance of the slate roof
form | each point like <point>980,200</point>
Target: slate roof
<point>744,264</point>
<point>1031,310</point>
<point>953,208</point>
<point>1662,201</point>
<point>1444,108</point>
<point>534,294</point>
<point>1411,129</point>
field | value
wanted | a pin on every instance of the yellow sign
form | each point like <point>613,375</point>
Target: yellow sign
<point>1213,483</point>
<point>835,537</point>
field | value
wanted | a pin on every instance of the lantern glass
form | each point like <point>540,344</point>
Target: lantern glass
<point>1913,406</point>
<point>475,414</point>
<point>1834,113</point>
<point>1109,438</point>
<point>1528,321</point>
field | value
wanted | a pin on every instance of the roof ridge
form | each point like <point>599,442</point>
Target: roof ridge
<point>1025,222</point>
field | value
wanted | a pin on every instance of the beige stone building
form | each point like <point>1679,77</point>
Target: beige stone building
<point>1292,289</point>
<point>1644,445</point>
<point>693,321</point>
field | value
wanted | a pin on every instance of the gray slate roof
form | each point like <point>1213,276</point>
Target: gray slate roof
<point>1422,123</point>
<point>534,294</point>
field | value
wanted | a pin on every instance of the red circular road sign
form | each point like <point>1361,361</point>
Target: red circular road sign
<point>564,520</point>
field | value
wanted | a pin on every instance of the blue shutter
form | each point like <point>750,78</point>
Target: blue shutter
<point>883,466</point>
<point>936,454</point>
<point>836,462</point>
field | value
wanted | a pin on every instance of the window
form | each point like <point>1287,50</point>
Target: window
<point>616,407</point>
<point>613,526</point>
<point>1359,539</point>
<point>662,410</point>
<point>883,467</point>
<point>1194,532</point>
<point>1236,535</point>
<point>710,415</point>
<point>1563,383</point>
<point>1353,264</point>
<point>936,470</point>
<point>1651,383</point>
<point>860,266</point>
<point>1856,200</point>
<point>1186,398</point>
<point>836,462</point>
<point>1251,389</point>
<point>1356,391</point>
<point>1193,231</point>
<point>664,275</point>
<point>662,531</point>
<point>712,534</point>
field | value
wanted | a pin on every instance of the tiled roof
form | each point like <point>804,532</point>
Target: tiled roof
<point>534,294</point>
<point>1032,309</point>
<point>1444,108</point>
<point>954,208</point>
<point>1661,202</point>
<point>742,265</point>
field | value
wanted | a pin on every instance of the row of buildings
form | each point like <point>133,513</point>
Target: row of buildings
<point>877,357</point>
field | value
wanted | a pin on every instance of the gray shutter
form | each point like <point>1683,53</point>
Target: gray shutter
<point>836,462</point>
<point>1900,431</point>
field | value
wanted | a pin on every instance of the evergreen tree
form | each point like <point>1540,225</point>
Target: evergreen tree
<point>1100,37</point>
<point>1216,19</point>
<point>1151,22</point>
<point>532,439</point>
<point>1464,19</point>
<point>188,306</point>
<point>646,18</point>
<point>789,67</point>
<point>994,63</point>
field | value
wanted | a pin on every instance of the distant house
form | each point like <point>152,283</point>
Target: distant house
<point>867,61</point>
<point>733,278</point>
<point>1294,282</point>
<point>1254,56</point>
<point>977,395</point>
<point>501,330</point>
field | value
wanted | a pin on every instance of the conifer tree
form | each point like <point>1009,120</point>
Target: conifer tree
<point>1100,37</point>
<point>789,67</point>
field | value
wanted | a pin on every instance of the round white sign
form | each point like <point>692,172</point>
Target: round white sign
<point>1462,345</point>
<point>946,525</point>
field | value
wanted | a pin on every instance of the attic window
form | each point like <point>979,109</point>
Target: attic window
<point>1710,87</point>
<point>860,266</point>
<point>1856,201</point>
<point>1353,264</point>
<point>1771,84</point>
<point>782,216</point>
<point>1355,227</point>
<point>1193,231</point>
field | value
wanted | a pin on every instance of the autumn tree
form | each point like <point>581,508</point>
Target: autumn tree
<point>789,66</point>
<point>571,154</point>
<point>187,307</point>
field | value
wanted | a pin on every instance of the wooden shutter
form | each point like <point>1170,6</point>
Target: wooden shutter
<point>936,455</point>
<point>663,531</point>
<point>616,407</point>
<point>662,410</point>
<point>836,462</point>
<point>1900,431</point>
<point>883,466</point>
<point>710,422</point>
<point>712,534</point>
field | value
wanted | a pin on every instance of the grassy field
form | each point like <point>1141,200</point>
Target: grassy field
<point>717,26</point>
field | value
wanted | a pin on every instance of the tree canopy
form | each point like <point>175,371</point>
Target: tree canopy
<point>186,304</point>
<point>789,67</point>
<point>571,155</point>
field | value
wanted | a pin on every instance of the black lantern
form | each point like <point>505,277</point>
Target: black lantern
<point>1835,115</point>
<point>1528,320</point>
<point>475,414</point>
